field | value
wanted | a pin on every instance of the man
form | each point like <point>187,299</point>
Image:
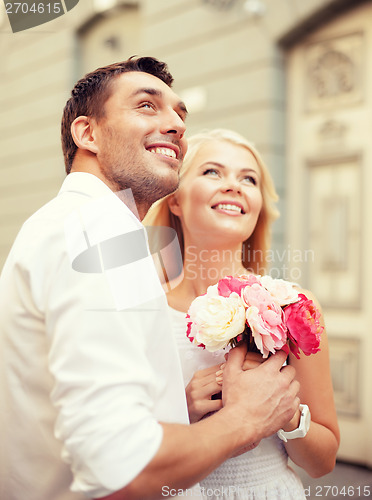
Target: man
<point>91,389</point>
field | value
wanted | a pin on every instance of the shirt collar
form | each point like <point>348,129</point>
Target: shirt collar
<point>85,183</point>
<point>91,186</point>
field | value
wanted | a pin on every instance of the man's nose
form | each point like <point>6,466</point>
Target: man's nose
<point>173,124</point>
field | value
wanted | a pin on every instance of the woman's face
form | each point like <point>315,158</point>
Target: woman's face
<point>219,198</point>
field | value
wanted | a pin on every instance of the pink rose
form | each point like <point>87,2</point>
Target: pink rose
<point>283,291</point>
<point>304,329</point>
<point>256,295</point>
<point>265,318</point>
<point>231,284</point>
<point>268,328</point>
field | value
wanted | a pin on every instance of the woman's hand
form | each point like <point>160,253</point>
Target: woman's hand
<point>204,384</point>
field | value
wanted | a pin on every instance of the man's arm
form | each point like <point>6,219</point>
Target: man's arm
<point>257,403</point>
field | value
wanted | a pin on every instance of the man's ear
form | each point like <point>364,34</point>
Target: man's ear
<point>173,204</point>
<point>82,132</point>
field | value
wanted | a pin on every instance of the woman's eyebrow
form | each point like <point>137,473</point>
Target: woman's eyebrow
<point>215,163</point>
<point>220,165</point>
<point>244,170</point>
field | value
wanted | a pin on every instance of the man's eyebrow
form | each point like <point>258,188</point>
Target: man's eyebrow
<point>158,93</point>
<point>148,90</point>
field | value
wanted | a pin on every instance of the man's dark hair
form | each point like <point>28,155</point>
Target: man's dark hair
<point>89,95</point>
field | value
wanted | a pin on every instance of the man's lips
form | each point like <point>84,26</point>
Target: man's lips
<point>230,206</point>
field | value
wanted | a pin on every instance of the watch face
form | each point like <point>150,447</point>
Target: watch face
<point>305,418</point>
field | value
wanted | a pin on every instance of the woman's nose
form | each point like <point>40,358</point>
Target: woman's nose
<point>231,183</point>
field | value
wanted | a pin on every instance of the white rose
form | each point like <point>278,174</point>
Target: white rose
<point>283,291</point>
<point>216,320</point>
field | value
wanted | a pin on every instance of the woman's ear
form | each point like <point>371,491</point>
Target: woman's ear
<point>82,132</point>
<point>173,205</point>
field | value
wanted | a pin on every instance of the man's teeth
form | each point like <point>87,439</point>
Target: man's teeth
<point>227,206</point>
<point>164,151</point>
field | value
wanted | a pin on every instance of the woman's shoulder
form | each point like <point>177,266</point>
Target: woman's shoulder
<point>308,294</point>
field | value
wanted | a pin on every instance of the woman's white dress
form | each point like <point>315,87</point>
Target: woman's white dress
<point>261,473</point>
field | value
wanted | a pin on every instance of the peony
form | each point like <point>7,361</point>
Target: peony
<point>283,291</point>
<point>231,284</point>
<point>256,295</point>
<point>268,329</point>
<point>265,318</point>
<point>303,325</point>
<point>213,320</point>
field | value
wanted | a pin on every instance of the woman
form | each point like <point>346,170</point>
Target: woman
<point>222,212</point>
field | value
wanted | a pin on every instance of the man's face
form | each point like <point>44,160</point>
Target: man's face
<point>140,139</point>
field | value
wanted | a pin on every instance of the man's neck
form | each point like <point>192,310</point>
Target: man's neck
<point>90,166</point>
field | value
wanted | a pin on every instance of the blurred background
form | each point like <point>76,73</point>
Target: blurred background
<point>293,76</point>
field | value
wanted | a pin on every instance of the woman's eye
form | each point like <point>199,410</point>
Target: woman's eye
<point>249,179</point>
<point>210,171</point>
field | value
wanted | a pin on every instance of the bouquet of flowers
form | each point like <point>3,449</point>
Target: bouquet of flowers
<point>269,313</point>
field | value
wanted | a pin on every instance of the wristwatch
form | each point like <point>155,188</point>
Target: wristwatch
<point>302,428</point>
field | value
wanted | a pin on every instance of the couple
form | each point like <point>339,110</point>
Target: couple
<point>93,402</point>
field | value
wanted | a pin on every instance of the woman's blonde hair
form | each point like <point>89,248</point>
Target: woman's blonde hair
<point>255,248</point>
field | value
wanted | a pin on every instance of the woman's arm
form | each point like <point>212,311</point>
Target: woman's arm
<point>316,452</point>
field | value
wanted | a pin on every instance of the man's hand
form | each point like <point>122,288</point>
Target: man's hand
<point>252,360</point>
<point>265,397</point>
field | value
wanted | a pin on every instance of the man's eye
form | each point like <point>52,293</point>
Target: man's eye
<point>147,105</point>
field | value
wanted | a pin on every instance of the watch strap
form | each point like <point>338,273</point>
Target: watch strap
<point>302,428</point>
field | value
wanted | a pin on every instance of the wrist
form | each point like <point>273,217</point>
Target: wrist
<point>239,431</point>
<point>293,423</point>
<point>301,430</point>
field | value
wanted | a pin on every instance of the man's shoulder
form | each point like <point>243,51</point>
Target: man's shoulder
<point>76,190</point>
<point>83,206</point>
<point>50,216</point>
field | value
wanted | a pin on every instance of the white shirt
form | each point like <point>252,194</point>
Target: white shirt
<point>88,364</point>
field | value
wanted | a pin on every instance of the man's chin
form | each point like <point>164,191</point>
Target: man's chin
<point>145,199</point>
<point>172,187</point>
<point>167,185</point>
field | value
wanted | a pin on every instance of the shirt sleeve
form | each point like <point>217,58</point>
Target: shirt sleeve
<point>105,385</point>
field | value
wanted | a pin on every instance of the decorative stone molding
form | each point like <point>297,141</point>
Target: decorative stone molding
<point>332,130</point>
<point>334,231</point>
<point>334,73</point>
<point>345,366</point>
<point>332,135</point>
